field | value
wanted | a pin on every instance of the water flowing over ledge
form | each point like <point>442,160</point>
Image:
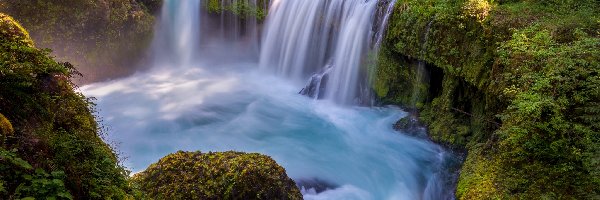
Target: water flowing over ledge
<point>330,39</point>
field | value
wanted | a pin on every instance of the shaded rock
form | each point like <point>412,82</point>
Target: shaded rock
<point>316,85</point>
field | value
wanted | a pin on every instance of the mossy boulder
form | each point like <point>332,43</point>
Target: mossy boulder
<point>226,175</point>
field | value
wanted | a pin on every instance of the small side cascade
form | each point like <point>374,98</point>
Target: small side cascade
<point>384,11</point>
<point>235,23</point>
<point>421,71</point>
<point>177,37</point>
<point>191,28</point>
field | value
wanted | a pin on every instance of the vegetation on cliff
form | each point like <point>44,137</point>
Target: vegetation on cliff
<point>103,38</point>
<point>53,148</point>
<point>226,175</point>
<point>153,6</point>
<point>515,83</point>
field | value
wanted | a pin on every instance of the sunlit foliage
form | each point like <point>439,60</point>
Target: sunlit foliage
<point>519,91</point>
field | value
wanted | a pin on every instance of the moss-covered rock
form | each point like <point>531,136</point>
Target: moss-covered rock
<point>226,175</point>
<point>102,38</point>
<point>517,87</point>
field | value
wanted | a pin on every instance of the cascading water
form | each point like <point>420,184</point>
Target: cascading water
<point>216,104</point>
<point>178,33</point>
<point>307,37</point>
<point>179,39</point>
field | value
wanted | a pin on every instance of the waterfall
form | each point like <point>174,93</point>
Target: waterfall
<point>177,38</point>
<point>304,39</point>
<point>216,101</point>
<point>188,29</point>
<point>234,25</point>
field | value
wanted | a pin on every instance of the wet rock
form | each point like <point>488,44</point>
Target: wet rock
<point>411,125</point>
<point>315,88</point>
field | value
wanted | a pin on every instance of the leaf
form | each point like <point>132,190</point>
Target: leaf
<point>57,182</point>
<point>22,163</point>
<point>64,195</point>
<point>58,174</point>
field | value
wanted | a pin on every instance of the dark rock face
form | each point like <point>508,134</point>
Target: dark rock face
<point>225,175</point>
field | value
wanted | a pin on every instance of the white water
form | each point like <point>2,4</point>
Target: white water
<point>214,103</point>
<point>303,37</point>
<point>177,38</point>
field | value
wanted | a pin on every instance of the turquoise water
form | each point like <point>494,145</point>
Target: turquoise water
<point>234,107</point>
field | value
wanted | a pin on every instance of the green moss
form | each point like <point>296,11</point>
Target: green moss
<point>227,175</point>
<point>519,92</point>
<point>478,178</point>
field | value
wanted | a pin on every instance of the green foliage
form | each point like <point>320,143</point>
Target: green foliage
<point>226,175</point>
<point>19,180</point>
<point>54,130</point>
<point>520,91</point>
<point>547,128</point>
